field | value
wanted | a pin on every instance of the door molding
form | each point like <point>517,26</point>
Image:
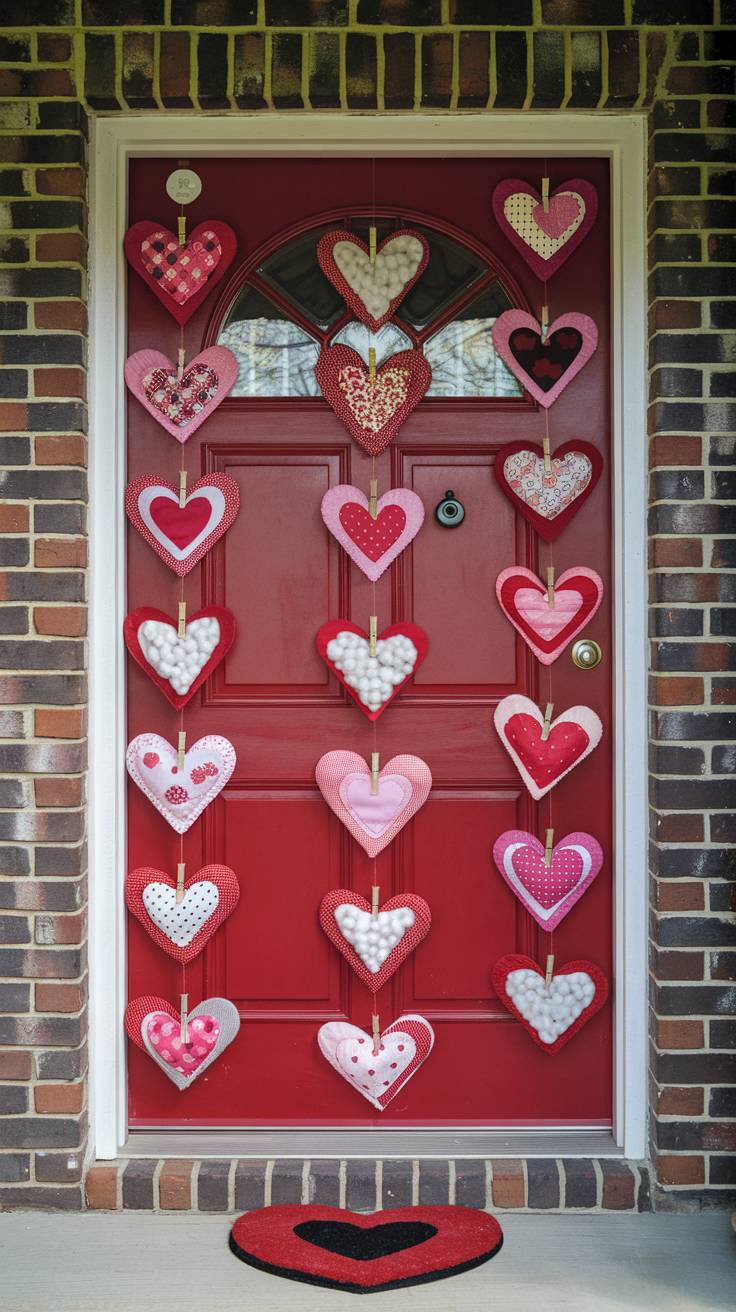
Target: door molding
<point>622,140</point>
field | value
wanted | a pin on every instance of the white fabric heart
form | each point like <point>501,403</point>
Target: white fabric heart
<point>550,1011</point>
<point>180,795</point>
<point>179,660</point>
<point>180,921</point>
<point>373,677</point>
<point>380,283</point>
<point>373,937</point>
<point>548,493</point>
<point>377,1076</point>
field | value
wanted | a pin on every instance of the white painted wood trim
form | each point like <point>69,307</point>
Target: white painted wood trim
<point>115,141</point>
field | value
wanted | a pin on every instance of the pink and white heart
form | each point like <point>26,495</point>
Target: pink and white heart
<point>548,892</point>
<point>372,543</point>
<point>181,404</point>
<point>180,795</point>
<point>546,238</point>
<point>374,818</point>
<point>153,1025</point>
<point>377,1076</point>
<point>548,625</point>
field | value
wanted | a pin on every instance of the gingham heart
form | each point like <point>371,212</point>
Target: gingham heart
<point>372,410</point>
<point>180,277</point>
<point>372,543</point>
<point>153,1025</point>
<point>545,238</point>
<point>373,291</point>
<point>180,405</point>
<point>548,892</point>
<point>179,666</point>
<point>378,1077</point>
<point>545,627</point>
<point>180,795</point>
<point>182,535</point>
<point>374,946</point>
<point>182,929</point>
<point>372,681</point>
<point>543,762</point>
<point>552,1014</point>
<point>374,819</point>
<point>548,498</point>
<point>544,366</point>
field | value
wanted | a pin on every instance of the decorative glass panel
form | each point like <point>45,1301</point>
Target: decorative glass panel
<point>294,272</point>
<point>452,270</point>
<point>463,360</point>
<point>386,342</point>
<point>275,356</point>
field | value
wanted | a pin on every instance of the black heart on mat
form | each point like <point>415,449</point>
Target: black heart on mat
<point>365,1245</point>
<point>545,362</point>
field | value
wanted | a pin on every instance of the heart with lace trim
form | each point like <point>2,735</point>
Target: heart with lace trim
<point>152,1025</point>
<point>553,1013</point>
<point>373,818</point>
<point>181,404</point>
<point>182,534</point>
<point>372,681</point>
<point>548,892</point>
<point>372,409</point>
<point>179,666</point>
<point>378,1076</point>
<point>372,542</point>
<point>543,762</point>
<point>544,365</point>
<point>548,626</point>
<point>180,795</point>
<point>182,928</point>
<point>546,238</point>
<point>373,290</point>
<point>547,497</point>
<point>180,275</point>
<point>374,944</point>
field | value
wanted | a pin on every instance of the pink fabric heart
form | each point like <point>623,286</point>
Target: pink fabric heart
<point>164,1035</point>
<point>373,821</point>
<point>180,405</point>
<point>511,321</point>
<point>562,213</point>
<point>548,892</point>
<point>548,629</point>
<point>545,241</point>
<point>372,544</point>
<point>375,813</point>
<point>547,620</point>
<point>403,1047</point>
<point>180,795</point>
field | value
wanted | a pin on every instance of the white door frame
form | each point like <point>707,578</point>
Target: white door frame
<point>115,141</point>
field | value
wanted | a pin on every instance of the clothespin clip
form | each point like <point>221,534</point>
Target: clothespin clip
<point>372,363</point>
<point>182,488</point>
<point>181,631</point>
<point>183,1026</point>
<point>550,968</point>
<point>547,720</point>
<point>181,751</point>
<point>182,224</point>
<point>375,758</point>
<point>550,585</point>
<point>547,458</point>
<point>373,635</point>
<point>373,499</point>
<point>545,195</point>
<point>375,895</point>
<point>376,1027</point>
<point>545,322</point>
<point>181,357</point>
<point>372,243</point>
<point>548,842</point>
<point>180,871</point>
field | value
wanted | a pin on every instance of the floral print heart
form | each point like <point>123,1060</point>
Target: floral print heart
<point>372,681</point>
<point>372,543</point>
<point>374,945</point>
<point>543,762</point>
<point>180,795</point>
<point>374,819</point>
<point>551,1014</point>
<point>548,892</point>
<point>373,290</point>
<point>547,628</point>
<point>179,666</point>
<point>182,535</point>
<point>180,276</point>
<point>372,410</point>
<point>153,1025</point>
<point>181,404</point>
<point>548,497</point>
<point>546,365</point>
<point>545,238</point>
<point>182,929</point>
<point>378,1076</point>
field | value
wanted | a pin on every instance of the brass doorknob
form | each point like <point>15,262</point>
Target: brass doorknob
<point>586,654</point>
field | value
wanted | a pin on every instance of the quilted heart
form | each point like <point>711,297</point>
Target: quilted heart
<point>180,795</point>
<point>182,929</point>
<point>543,762</point>
<point>372,410</point>
<point>180,277</point>
<point>374,819</point>
<point>179,666</point>
<point>547,498</point>
<point>373,291</point>
<point>372,681</point>
<point>180,405</point>
<point>550,1015</point>
<point>374,946</point>
<point>545,239</point>
<point>546,628</point>
<point>372,543</point>
<point>547,891</point>
<point>403,1047</point>
<point>182,535</point>
<point>544,367</point>
<point>153,1025</point>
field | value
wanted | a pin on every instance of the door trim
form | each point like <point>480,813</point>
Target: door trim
<point>621,139</point>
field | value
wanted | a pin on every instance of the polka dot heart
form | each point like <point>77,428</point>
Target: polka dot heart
<point>541,761</point>
<point>152,1025</point>
<point>548,892</point>
<point>374,946</point>
<point>552,1014</point>
<point>182,929</point>
<point>545,238</point>
<point>180,277</point>
<point>372,543</point>
<point>379,1076</point>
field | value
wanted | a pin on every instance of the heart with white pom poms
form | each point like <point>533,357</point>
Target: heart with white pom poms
<point>374,943</point>
<point>373,288</point>
<point>551,1013</point>
<point>179,665</point>
<point>372,680</point>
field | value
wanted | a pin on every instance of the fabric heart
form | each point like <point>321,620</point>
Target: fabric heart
<point>372,410</point>
<point>182,929</point>
<point>180,795</point>
<point>374,946</point>
<point>551,1015</point>
<point>180,405</point>
<point>547,891</point>
<point>373,291</point>
<point>545,367</point>
<point>182,535</point>
<point>374,820</point>
<point>179,666</point>
<point>180,276</point>
<point>403,1047</point>
<point>545,239</point>
<point>372,543</point>
<point>372,681</point>
<point>546,628</point>
<point>153,1025</point>
<point>543,762</point>
<point>547,498</point>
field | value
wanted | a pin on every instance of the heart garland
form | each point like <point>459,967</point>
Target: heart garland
<point>374,820</point>
<point>552,1016</point>
<point>372,543</point>
<point>181,404</point>
<point>180,276</point>
<point>548,892</point>
<point>182,929</point>
<point>544,366</point>
<point>373,291</point>
<point>179,666</point>
<point>374,946</point>
<point>180,795</point>
<point>547,499</point>
<point>372,681</point>
<point>548,238</point>
<point>153,1025</point>
<point>546,628</point>
<point>543,762</point>
<point>372,410</point>
<point>378,1077</point>
<point>182,535</point>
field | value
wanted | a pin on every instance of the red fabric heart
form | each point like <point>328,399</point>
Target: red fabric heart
<point>545,240</point>
<point>154,909</point>
<point>372,411</point>
<point>182,536</point>
<point>388,250</point>
<point>181,524</point>
<point>410,940</point>
<point>372,543</point>
<point>137,618</point>
<point>548,629</point>
<point>332,628</point>
<point>373,536</point>
<point>513,961</point>
<point>542,762</point>
<point>547,500</point>
<point>180,277</point>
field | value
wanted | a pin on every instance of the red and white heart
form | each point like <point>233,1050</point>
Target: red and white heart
<point>374,945</point>
<point>546,238</point>
<point>544,365</point>
<point>179,666</point>
<point>372,681</point>
<point>548,498</point>
<point>372,543</point>
<point>372,409</point>
<point>378,1076</point>
<point>548,892</point>
<point>543,762</point>
<point>180,795</point>
<point>373,290</point>
<point>547,626</point>
<point>551,1015</point>
<point>374,819</point>
<point>182,929</point>
<point>153,1025</point>
<point>182,535</point>
<point>181,404</point>
<point>180,275</point>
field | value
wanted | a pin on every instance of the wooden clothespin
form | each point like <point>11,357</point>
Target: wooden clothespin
<point>182,225</point>
<point>548,842</point>
<point>376,1027</point>
<point>373,635</point>
<point>375,766</point>
<point>372,363</point>
<point>181,357</point>
<point>182,488</point>
<point>373,499</point>
<point>182,629</point>
<point>180,872</point>
<point>545,195</point>
<point>547,457</point>
<point>550,968</point>
<point>183,1025</point>
<point>547,720</point>
<point>550,585</point>
<point>182,748</point>
<point>372,243</point>
<point>544,325</point>
<point>375,896</point>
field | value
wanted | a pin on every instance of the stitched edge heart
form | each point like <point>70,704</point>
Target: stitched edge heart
<point>210,742</point>
<point>512,961</point>
<point>228,245</point>
<point>416,1027</point>
<point>548,529</point>
<point>333,359</point>
<point>225,881</point>
<point>541,267</point>
<point>326,258</point>
<point>406,945</point>
<point>218,358</point>
<point>582,716</point>
<point>578,578</point>
<point>332,768</point>
<point>343,494</point>
<point>508,322</point>
<point>333,627</point>
<point>547,917</point>
<point>137,617</point>
<point>139,1009</point>
<point>182,561</point>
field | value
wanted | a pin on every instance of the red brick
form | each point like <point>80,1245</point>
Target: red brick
<point>53,49</point>
<point>681,1102</point>
<point>674,552</point>
<point>670,690</point>
<point>676,1169</point>
<point>672,1035</point>
<point>58,1099</point>
<point>508,1183</point>
<point>64,998</point>
<point>677,314</point>
<point>680,895</point>
<point>60,553</point>
<point>51,791</point>
<point>13,417</point>
<point>668,450</point>
<point>54,930</point>
<point>61,314</point>
<point>101,1187</point>
<point>15,1065</point>
<point>60,182</point>
<point>679,965</point>
<point>60,621</point>
<point>14,518</point>
<point>61,449</point>
<point>53,723</point>
<point>59,382</point>
<point>679,828</point>
<point>175,1186</point>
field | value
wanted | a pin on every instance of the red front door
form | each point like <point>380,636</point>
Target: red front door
<point>283,575</point>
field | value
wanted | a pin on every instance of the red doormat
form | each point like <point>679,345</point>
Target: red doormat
<point>365,1254</point>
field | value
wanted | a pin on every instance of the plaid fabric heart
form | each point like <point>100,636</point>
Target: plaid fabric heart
<point>180,270</point>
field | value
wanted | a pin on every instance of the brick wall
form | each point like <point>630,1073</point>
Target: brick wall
<point>62,60</point>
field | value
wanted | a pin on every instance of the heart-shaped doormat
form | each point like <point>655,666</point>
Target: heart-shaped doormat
<point>180,277</point>
<point>547,499</point>
<point>543,762</point>
<point>180,795</point>
<point>182,929</point>
<point>372,410</point>
<point>373,291</point>
<point>182,535</point>
<point>180,405</point>
<point>374,946</point>
<point>544,367</point>
<point>364,1254</point>
<point>179,666</point>
<point>403,1047</point>
<point>547,891</point>
<point>545,238</point>
<point>374,819</point>
<point>372,681</point>
<point>153,1025</point>
<point>546,628</point>
<point>372,543</point>
<point>552,1016</point>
